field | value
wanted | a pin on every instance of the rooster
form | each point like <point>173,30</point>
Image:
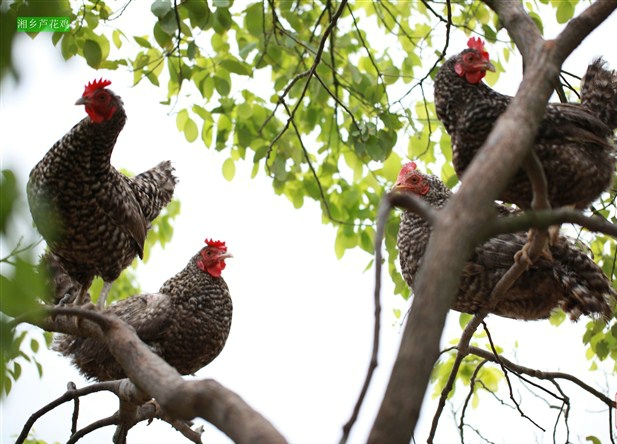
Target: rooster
<point>571,280</point>
<point>94,218</point>
<point>574,142</point>
<point>186,323</point>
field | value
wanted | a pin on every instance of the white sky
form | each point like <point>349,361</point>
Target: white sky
<point>302,328</point>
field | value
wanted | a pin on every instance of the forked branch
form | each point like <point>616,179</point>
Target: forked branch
<point>152,377</point>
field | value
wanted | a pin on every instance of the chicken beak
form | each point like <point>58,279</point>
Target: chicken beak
<point>225,256</point>
<point>489,66</point>
<point>398,186</point>
<point>484,65</point>
<point>81,101</point>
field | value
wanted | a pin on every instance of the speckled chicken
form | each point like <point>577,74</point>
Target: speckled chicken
<point>574,142</point>
<point>94,218</point>
<point>186,323</point>
<point>571,280</point>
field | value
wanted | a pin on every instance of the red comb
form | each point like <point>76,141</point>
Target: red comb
<point>478,44</point>
<point>216,244</point>
<point>409,166</point>
<point>96,84</point>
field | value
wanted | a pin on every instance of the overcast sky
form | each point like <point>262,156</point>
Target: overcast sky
<point>302,327</point>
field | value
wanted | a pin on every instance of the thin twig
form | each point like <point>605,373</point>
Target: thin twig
<point>179,37</point>
<point>519,369</point>
<point>72,387</point>
<point>70,394</point>
<point>18,249</point>
<point>472,384</point>
<point>308,74</point>
<point>382,216</point>
<point>322,192</point>
<point>463,346</point>
<point>565,402</point>
<point>110,420</point>
<point>505,373</point>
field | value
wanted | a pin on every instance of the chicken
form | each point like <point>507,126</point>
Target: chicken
<point>94,218</point>
<point>571,281</point>
<point>186,323</point>
<point>574,141</point>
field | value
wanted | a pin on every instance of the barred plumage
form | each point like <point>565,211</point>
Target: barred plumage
<point>571,281</point>
<point>187,322</point>
<point>94,218</point>
<point>574,142</point>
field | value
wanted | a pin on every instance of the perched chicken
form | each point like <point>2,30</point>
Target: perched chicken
<point>571,280</point>
<point>186,323</point>
<point>574,142</point>
<point>94,218</point>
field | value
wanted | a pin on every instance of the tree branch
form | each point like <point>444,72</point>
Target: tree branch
<point>519,369</point>
<point>455,231</point>
<point>155,378</point>
<point>546,218</point>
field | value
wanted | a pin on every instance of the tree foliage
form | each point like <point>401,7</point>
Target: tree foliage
<point>326,98</point>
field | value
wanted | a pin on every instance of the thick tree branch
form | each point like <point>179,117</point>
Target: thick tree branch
<point>581,26</point>
<point>521,27</point>
<point>151,375</point>
<point>455,232</point>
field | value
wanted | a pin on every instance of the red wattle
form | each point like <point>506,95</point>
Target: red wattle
<point>475,76</point>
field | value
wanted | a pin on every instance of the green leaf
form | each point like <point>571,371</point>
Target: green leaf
<point>565,11</point>
<point>68,46</point>
<point>181,118</point>
<point>162,38</point>
<point>557,318</point>
<point>142,41</point>
<point>34,345</point>
<point>16,370</point>
<point>92,53</point>
<point>115,37</point>
<point>190,130</point>
<point>253,19</point>
<point>8,196</point>
<point>199,14</point>
<point>229,169</point>
<point>168,23</point>
<point>160,7</point>
<point>464,319</point>
<point>235,66</point>
<point>222,20</point>
<point>593,440</point>
<point>223,87</point>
